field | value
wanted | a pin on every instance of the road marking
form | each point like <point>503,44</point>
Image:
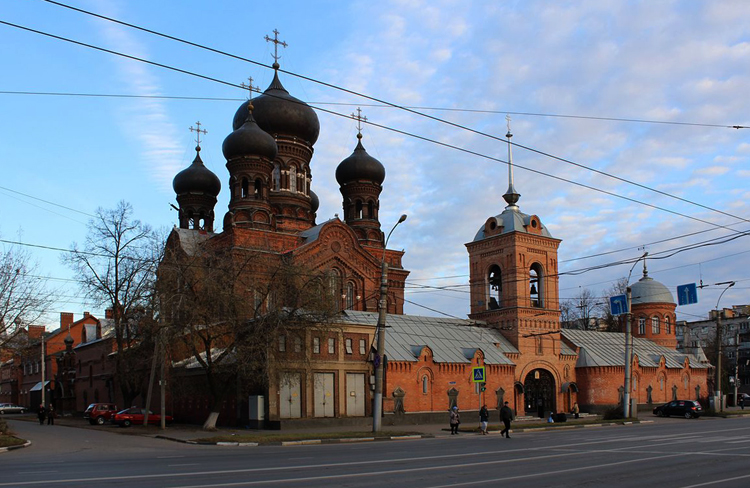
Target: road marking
<point>186,464</point>
<point>707,483</point>
<point>35,472</point>
<point>169,457</point>
<point>739,442</point>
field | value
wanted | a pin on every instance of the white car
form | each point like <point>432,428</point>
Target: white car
<point>10,408</point>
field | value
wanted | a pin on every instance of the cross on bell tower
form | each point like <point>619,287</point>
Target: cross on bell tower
<point>276,43</point>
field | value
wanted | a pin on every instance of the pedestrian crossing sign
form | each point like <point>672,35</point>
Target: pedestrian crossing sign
<point>478,375</point>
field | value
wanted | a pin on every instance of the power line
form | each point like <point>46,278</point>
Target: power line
<point>385,102</point>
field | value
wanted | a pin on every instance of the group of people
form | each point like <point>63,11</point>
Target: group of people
<point>46,413</point>
<point>506,415</point>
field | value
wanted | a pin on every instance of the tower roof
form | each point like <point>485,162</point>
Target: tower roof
<point>512,220</point>
<point>648,290</point>
<point>249,140</point>
<point>196,178</point>
<point>360,166</point>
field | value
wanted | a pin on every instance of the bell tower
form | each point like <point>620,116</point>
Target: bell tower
<point>513,273</point>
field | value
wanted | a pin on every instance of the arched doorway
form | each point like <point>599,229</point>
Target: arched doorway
<point>539,392</point>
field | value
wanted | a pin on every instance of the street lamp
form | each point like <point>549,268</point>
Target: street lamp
<point>377,408</point>
<point>718,344</point>
<point>629,345</point>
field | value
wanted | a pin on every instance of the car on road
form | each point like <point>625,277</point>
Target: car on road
<point>10,408</point>
<point>134,415</point>
<point>683,408</point>
<point>100,413</point>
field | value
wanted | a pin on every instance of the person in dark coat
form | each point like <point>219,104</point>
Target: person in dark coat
<point>484,418</point>
<point>455,420</point>
<point>506,415</point>
<point>41,414</point>
<point>51,415</point>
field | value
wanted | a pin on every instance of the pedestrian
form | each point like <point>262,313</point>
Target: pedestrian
<point>742,402</point>
<point>575,410</point>
<point>455,420</point>
<point>41,414</point>
<point>540,407</point>
<point>484,418</point>
<point>551,418</point>
<point>51,415</point>
<point>506,415</point>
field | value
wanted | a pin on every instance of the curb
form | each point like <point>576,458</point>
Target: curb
<point>12,448</point>
<point>305,442</point>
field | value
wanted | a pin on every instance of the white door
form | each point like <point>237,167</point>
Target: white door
<point>355,394</point>
<point>290,406</point>
<point>324,395</point>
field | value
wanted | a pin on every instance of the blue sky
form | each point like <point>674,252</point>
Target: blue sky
<point>682,62</point>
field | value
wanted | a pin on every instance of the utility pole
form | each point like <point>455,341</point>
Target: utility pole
<point>718,346</point>
<point>629,344</point>
<point>377,407</point>
<point>43,365</point>
<point>736,362</point>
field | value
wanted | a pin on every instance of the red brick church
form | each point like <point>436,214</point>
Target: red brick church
<point>513,327</point>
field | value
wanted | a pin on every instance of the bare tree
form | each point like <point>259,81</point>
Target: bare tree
<point>227,309</point>
<point>24,294</point>
<point>580,311</point>
<point>619,287</point>
<point>117,269</point>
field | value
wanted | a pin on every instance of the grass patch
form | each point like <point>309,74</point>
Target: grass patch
<point>10,441</point>
<point>301,436</point>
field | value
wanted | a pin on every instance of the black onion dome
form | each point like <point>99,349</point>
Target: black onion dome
<point>249,140</point>
<point>277,112</point>
<point>196,178</point>
<point>314,202</point>
<point>360,166</point>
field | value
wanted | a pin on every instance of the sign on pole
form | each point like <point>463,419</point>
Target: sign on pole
<point>478,374</point>
<point>687,294</point>
<point>618,304</point>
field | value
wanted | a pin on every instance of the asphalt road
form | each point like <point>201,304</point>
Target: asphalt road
<point>667,453</point>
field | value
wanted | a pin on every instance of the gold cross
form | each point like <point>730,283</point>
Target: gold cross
<point>276,42</point>
<point>359,118</point>
<point>249,87</point>
<point>199,131</point>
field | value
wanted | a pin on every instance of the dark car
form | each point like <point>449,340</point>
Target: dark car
<point>134,415</point>
<point>10,408</point>
<point>100,413</point>
<point>683,408</point>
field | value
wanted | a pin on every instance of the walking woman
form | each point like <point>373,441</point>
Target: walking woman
<point>455,420</point>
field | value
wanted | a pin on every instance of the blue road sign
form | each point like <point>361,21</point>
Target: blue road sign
<point>687,294</point>
<point>618,304</point>
<point>477,374</point>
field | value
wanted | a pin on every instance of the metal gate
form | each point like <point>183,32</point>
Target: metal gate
<point>355,394</point>
<point>324,399</point>
<point>539,392</point>
<point>290,405</point>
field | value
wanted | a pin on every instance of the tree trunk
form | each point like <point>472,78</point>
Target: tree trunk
<point>210,423</point>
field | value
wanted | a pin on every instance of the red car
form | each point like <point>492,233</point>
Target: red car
<point>100,413</point>
<point>134,415</point>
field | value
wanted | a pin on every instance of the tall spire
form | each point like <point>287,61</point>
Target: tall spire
<point>276,43</point>
<point>511,195</point>
<point>645,269</point>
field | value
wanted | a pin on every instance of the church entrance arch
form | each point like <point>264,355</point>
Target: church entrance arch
<point>539,392</point>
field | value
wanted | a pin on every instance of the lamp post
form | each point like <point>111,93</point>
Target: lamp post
<point>629,345</point>
<point>377,408</point>
<point>718,345</point>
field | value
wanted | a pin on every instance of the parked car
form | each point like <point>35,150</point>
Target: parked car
<point>134,415</point>
<point>10,408</point>
<point>683,408</point>
<point>100,413</point>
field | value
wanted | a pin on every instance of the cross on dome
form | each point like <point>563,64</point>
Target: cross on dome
<point>250,87</point>
<point>359,118</point>
<point>276,43</point>
<point>199,132</point>
<point>511,195</point>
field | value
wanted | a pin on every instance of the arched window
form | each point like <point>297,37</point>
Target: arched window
<point>358,210</point>
<point>370,210</point>
<point>667,325</point>
<point>334,287</point>
<point>350,296</point>
<point>258,190</point>
<point>276,177</point>
<point>292,178</point>
<point>245,188</point>
<point>494,288</point>
<point>536,285</point>
<point>642,325</point>
<point>425,384</point>
<point>654,325</point>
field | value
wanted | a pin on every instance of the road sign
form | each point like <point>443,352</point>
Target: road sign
<point>478,375</point>
<point>618,304</point>
<point>687,294</point>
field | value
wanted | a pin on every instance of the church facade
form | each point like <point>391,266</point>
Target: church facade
<point>513,326</point>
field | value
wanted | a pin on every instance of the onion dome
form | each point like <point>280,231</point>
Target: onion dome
<point>249,140</point>
<point>360,166</point>
<point>196,178</point>
<point>68,340</point>
<point>314,202</point>
<point>279,113</point>
<point>648,290</point>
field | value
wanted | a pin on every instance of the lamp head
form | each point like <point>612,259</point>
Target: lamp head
<point>402,218</point>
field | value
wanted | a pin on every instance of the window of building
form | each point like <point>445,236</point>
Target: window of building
<point>334,287</point>
<point>316,345</point>
<point>297,344</point>
<point>642,325</point>
<point>282,343</point>
<point>245,188</point>
<point>349,296</point>
<point>425,384</point>
<point>36,367</point>
<point>494,288</point>
<point>667,325</point>
<point>293,178</point>
<point>654,325</point>
<point>348,345</point>
<point>362,347</point>
<point>331,345</point>
<point>276,177</point>
<point>536,285</point>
